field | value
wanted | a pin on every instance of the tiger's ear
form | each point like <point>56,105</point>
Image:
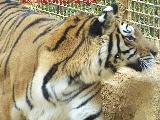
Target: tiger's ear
<point>108,11</point>
<point>104,21</point>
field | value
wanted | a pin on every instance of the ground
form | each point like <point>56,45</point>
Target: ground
<point>132,96</point>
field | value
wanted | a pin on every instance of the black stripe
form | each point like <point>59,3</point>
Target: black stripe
<point>14,100</point>
<point>47,30</point>
<point>86,101</point>
<point>127,51</point>
<point>96,28</point>
<point>125,42</point>
<point>126,31</point>
<point>7,8</point>
<point>76,49</point>
<point>132,55</point>
<point>118,43</point>
<point>118,48</point>
<point>100,60</point>
<point>93,87</point>
<point>4,2</point>
<point>127,27</point>
<point>55,95</point>
<point>99,72</point>
<point>15,21</point>
<point>110,45</point>
<point>7,5</point>
<point>27,99</point>
<point>63,37</point>
<point>30,91</point>
<point>118,30</point>
<point>68,99</point>
<point>6,24</point>
<point>144,66</point>
<point>25,15</point>
<point>83,24</point>
<point>47,77</point>
<point>94,116</point>
<point>112,67</point>
<point>105,16</point>
<point>46,24</point>
<point>76,19</point>
<point>12,24</point>
<point>90,67</point>
<point>26,8</point>
<point>19,37</point>
<point>72,78</point>
<point>115,8</point>
<point>72,94</point>
<point>8,16</point>
<point>52,22</point>
<point>79,90</point>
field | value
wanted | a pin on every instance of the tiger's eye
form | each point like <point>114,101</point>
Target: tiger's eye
<point>117,56</point>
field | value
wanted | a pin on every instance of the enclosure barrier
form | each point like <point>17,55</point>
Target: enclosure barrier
<point>144,13</point>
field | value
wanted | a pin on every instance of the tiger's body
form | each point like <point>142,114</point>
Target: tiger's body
<point>52,70</point>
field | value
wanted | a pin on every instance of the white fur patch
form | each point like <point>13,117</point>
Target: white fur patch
<point>58,87</point>
<point>108,8</point>
<point>101,18</point>
<point>84,112</point>
<point>128,28</point>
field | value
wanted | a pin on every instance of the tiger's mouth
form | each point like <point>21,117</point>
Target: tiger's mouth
<point>143,64</point>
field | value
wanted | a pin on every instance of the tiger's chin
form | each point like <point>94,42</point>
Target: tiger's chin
<point>136,66</point>
<point>142,65</point>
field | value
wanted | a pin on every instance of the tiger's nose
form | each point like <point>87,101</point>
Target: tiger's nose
<point>154,51</point>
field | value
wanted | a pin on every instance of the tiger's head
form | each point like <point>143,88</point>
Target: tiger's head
<point>93,47</point>
<point>142,51</point>
<point>126,45</point>
<point>123,44</point>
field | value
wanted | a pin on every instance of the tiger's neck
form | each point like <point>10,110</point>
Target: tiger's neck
<point>95,72</point>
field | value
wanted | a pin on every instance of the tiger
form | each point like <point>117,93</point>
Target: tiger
<point>52,69</point>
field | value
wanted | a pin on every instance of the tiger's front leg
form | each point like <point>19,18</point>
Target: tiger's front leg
<point>87,105</point>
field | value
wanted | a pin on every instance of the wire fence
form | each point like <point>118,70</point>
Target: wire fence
<point>144,13</point>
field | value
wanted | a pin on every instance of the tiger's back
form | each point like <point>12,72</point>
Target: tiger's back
<point>18,51</point>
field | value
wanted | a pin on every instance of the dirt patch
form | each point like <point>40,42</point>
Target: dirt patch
<point>132,96</point>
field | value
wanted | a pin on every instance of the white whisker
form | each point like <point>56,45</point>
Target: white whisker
<point>149,69</point>
<point>145,66</point>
